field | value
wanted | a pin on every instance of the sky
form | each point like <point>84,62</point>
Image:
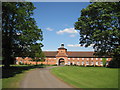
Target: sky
<point>56,20</point>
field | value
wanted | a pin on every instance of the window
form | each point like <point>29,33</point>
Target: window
<point>73,58</point>
<point>91,58</point>
<point>96,63</point>
<point>100,58</point>
<point>106,63</point>
<point>87,58</point>
<point>87,63</point>
<point>68,58</point>
<point>82,62</point>
<point>21,61</point>
<point>92,63</point>
<point>78,58</point>
<point>82,58</point>
<point>78,63</point>
<point>96,58</point>
<point>69,63</point>
<point>16,62</point>
<point>101,63</point>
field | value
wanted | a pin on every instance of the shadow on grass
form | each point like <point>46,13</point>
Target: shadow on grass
<point>13,70</point>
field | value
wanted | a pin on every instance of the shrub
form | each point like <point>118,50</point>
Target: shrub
<point>54,65</point>
<point>42,64</point>
<point>25,64</point>
<point>20,63</point>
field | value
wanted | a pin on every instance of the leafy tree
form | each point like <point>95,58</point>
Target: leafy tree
<point>99,25</point>
<point>19,31</point>
<point>104,61</point>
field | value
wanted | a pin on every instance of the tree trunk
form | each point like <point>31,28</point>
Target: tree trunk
<point>7,61</point>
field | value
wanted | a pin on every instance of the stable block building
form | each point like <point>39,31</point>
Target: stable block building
<point>64,57</point>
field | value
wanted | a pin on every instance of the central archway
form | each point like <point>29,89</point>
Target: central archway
<point>61,61</point>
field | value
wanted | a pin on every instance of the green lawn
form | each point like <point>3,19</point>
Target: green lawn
<point>11,77</point>
<point>88,77</point>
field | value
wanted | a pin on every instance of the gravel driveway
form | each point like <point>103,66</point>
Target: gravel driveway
<point>42,78</point>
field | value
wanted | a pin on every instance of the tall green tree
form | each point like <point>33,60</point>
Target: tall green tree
<point>20,34</point>
<point>99,25</point>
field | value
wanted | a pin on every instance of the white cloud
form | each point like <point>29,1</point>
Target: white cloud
<point>67,30</point>
<point>49,29</point>
<point>71,45</point>
<point>72,35</point>
<point>78,45</point>
<point>91,45</point>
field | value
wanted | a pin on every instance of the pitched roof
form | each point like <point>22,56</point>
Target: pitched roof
<point>80,54</point>
<point>70,54</point>
<point>50,53</point>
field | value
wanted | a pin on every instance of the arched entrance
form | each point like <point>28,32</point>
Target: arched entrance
<point>61,61</point>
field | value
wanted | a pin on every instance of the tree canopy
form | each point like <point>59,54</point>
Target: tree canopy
<point>20,34</point>
<point>99,24</point>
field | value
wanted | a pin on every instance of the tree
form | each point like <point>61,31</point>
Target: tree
<point>20,34</point>
<point>99,25</point>
<point>39,57</point>
<point>104,61</point>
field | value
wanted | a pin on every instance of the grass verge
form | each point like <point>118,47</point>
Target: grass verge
<point>88,77</point>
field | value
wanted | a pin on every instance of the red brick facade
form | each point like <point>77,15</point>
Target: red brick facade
<point>64,57</point>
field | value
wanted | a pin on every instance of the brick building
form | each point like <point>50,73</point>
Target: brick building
<point>64,57</point>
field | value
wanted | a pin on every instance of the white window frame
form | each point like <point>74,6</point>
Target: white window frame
<point>87,63</point>
<point>21,61</point>
<point>78,63</point>
<point>82,62</point>
<point>96,63</point>
<point>92,63</point>
<point>68,62</point>
<point>16,62</point>
<point>106,63</point>
<point>101,63</point>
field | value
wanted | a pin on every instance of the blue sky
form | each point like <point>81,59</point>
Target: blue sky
<point>56,19</point>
